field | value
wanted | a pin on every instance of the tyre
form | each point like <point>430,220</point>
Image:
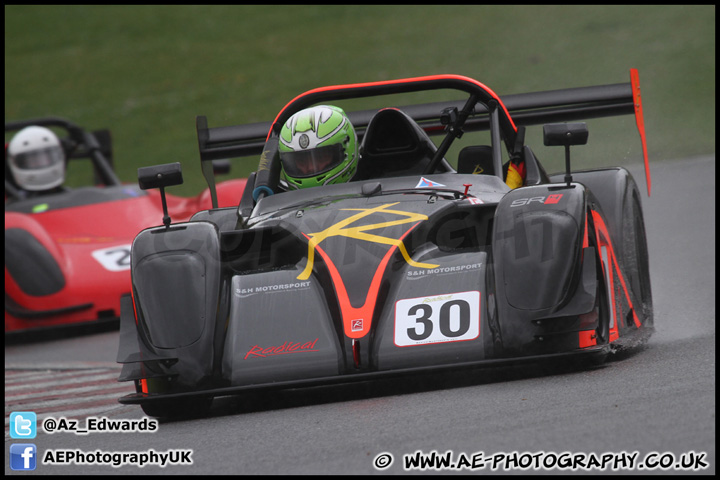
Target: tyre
<point>178,408</point>
<point>190,407</point>
<point>635,258</point>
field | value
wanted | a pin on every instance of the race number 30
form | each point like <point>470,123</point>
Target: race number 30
<point>442,318</point>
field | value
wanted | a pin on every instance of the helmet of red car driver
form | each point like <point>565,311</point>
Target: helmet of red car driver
<point>318,146</point>
<point>36,159</point>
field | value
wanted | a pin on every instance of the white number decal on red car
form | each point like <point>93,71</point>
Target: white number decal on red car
<point>115,259</point>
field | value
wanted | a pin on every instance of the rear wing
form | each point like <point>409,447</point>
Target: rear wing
<point>524,109</point>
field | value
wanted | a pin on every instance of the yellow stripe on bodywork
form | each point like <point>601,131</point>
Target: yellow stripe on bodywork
<point>360,233</point>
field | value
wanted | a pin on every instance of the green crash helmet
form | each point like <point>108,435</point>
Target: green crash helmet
<point>318,146</point>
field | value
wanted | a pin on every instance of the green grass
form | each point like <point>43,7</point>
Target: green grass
<point>146,72</point>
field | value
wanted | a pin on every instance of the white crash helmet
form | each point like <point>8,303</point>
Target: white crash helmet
<point>36,159</point>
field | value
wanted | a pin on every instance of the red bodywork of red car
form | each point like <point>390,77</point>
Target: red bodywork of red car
<point>91,245</point>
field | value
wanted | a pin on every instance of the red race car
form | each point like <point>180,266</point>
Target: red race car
<point>67,250</point>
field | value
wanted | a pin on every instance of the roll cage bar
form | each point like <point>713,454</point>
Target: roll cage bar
<point>483,110</point>
<point>501,124</point>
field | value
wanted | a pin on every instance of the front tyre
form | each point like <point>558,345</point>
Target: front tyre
<point>635,259</point>
<point>189,407</point>
<point>178,408</point>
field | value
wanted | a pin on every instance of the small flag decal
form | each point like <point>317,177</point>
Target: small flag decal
<point>425,183</point>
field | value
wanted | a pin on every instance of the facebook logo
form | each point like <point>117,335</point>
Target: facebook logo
<point>23,425</point>
<point>23,456</point>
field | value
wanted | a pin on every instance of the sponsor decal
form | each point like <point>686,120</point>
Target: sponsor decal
<point>451,317</point>
<point>356,325</point>
<point>415,274</point>
<point>283,287</point>
<point>265,159</point>
<point>284,349</point>
<point>547,200</point>
<point>425,183</point>
<point>304,141</point>
<point>474,200</point>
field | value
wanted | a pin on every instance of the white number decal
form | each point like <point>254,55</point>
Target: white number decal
<point>441,318</point>
<point>115,259</point>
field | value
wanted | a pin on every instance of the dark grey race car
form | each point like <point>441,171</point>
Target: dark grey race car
<point>415,265</point>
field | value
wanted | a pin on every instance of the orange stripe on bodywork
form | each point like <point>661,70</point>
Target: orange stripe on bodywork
<point>364,313</point>
<point>132,296</point>
<point>603,239</point>
<point>587,338</point>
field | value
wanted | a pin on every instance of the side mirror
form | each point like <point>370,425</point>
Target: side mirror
<point>161,176</point>
<point>565,135</point>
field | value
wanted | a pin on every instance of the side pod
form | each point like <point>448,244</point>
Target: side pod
<point>542,267</point>
<point>176,287</point>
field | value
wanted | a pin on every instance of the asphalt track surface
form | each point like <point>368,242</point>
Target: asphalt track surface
<point>658,403</point>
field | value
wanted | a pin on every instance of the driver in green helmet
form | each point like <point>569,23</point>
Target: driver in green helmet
<point>318,146</point>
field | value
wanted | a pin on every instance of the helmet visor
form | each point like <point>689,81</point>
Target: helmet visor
<point>37,159</point>
<point>312,162</point>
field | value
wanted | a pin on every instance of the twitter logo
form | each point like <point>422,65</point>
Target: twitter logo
<point>23,425</point>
